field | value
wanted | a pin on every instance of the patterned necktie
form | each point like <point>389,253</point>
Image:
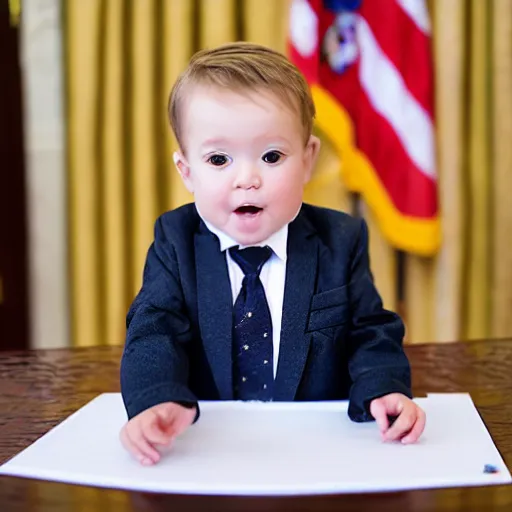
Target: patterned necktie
<point>253,375</point>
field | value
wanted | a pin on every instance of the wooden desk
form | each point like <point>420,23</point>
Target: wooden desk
<point>38,389</point>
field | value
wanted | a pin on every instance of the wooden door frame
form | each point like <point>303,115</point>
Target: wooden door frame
<point>14,316</point>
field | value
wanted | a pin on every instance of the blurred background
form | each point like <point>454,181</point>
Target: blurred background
<point>86,150</point>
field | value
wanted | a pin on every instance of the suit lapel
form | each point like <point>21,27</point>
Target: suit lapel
<point>301,268</point>
<point>215,309</point>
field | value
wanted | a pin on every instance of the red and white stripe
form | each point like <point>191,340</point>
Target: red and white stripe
<point>390,97</point>
<point>388,93</point>
<point>395,74</point>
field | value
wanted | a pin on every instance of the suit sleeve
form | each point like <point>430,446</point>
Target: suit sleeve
<point>377,362</point>
<point>155,366</point>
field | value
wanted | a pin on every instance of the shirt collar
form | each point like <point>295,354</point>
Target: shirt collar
<point>277,241</point>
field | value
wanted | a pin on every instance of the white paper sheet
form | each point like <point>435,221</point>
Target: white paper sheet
<point>270,449</point>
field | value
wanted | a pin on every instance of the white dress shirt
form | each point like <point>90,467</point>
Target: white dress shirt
<point>272,276</point>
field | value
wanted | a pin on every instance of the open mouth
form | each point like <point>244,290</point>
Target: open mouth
<point>248,210</point>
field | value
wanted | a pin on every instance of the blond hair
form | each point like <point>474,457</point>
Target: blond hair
<point>242,67</point>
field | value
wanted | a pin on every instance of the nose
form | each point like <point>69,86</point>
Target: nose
<point>248,176</point>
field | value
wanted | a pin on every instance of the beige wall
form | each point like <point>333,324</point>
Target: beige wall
<point>45,171</point>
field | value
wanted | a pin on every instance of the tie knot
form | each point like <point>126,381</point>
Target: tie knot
<point>252,259</point>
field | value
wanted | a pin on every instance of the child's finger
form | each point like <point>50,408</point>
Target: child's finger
<point>175,419</point>
<point>184,421</point>
<point>125,441</point>
<point>131,446</point>
<point>155,435</point>
<point>150,455</point>
<point>416,430</point>
<point>379,412</point>
<point>402,425</point>
<point>166,413</point>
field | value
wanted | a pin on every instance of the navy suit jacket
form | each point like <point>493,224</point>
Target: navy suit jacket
<point>337,341</point>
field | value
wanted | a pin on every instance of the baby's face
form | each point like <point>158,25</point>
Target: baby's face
<point>245,161</point>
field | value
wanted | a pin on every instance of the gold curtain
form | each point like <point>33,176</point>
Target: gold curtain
<point>466,291</point>
<point>122,57</point>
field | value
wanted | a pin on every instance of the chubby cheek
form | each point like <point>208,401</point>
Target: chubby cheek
<point>286,189</point>
<point>213,192</point>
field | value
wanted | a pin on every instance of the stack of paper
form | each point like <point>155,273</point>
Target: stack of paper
<point>270,449</point>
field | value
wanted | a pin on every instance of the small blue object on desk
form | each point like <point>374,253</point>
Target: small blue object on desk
<point>489,468</point>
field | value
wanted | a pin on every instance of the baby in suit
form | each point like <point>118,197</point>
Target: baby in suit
<point>248,293</point>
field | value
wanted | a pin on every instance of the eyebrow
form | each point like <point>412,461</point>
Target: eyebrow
<point>220,141</point>
<point>217,141</point>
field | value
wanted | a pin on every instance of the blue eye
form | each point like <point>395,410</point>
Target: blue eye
<point>218,160</point>
<point>272,157</point>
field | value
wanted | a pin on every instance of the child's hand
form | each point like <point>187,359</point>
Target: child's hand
<point>157,426</point>
<point>410,420</point>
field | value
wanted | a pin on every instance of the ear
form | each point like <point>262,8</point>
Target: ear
<point>310,157</point>
<point>183,169</point>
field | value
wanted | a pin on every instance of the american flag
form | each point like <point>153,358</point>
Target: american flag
<point>369,65</point>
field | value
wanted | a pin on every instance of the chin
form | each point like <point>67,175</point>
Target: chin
<point>245,239</point>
